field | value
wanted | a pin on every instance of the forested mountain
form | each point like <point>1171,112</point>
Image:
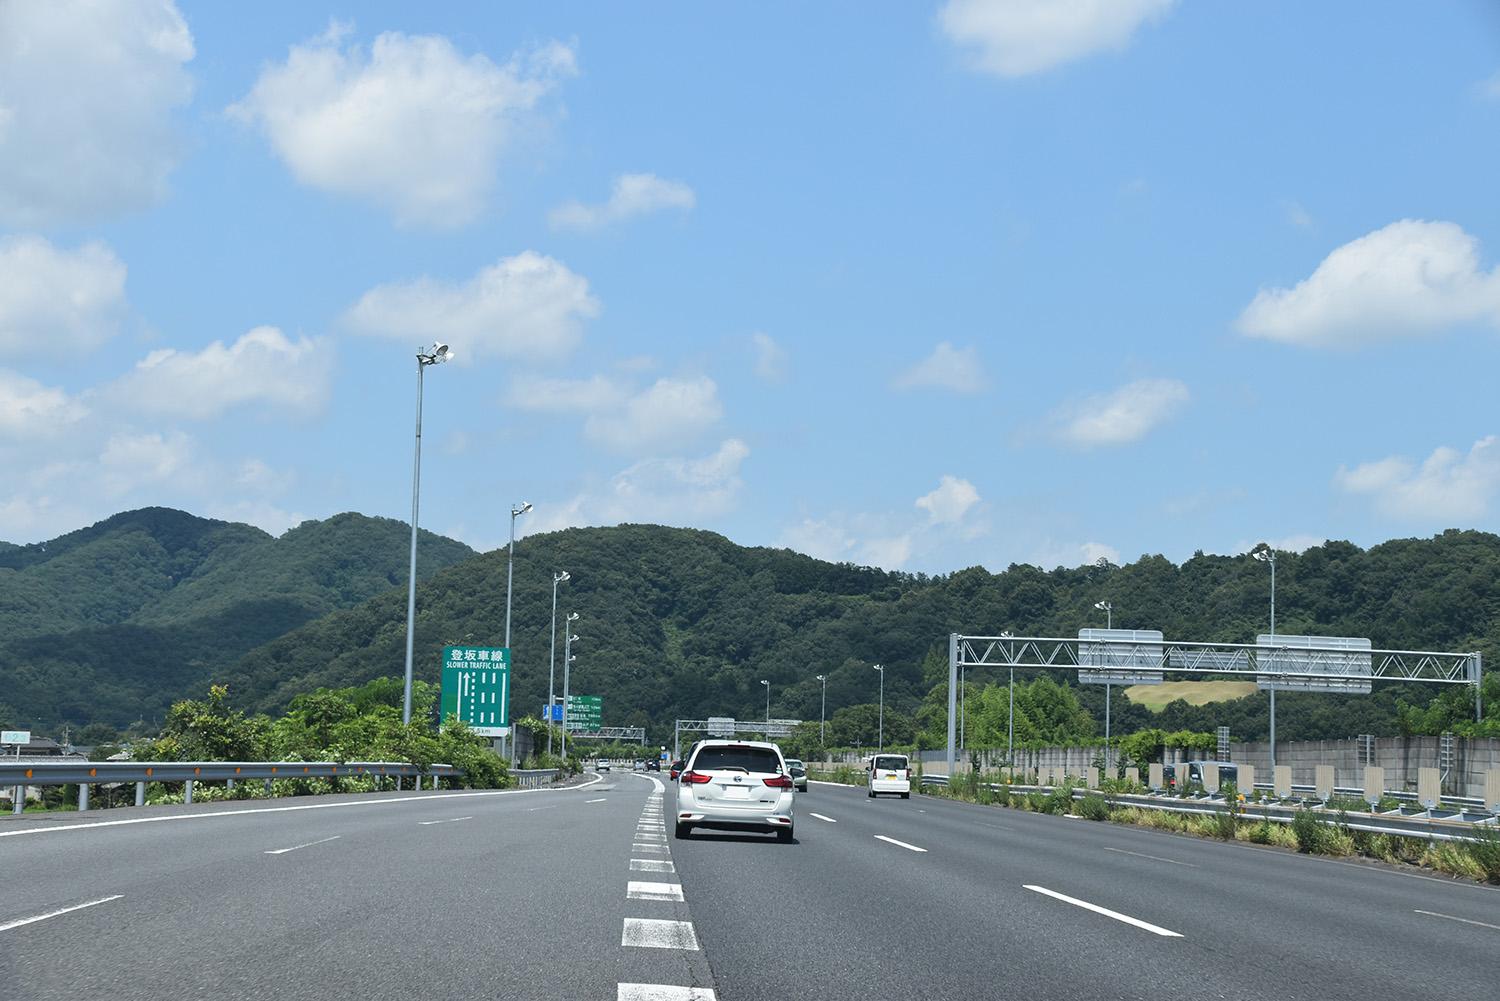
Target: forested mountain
<point>677,623</point>
<point>115,621</point>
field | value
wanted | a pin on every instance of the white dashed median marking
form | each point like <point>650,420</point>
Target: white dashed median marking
<point>7,926</point>
<point>651,865</point>
<point>663,992</point>
<point>899,844</point>
<point>647,933</point>
<point>320,841</point>
<point>1137,922</point>
<point>821,817</point>
<point>653,891</point>
<point>450,820</point>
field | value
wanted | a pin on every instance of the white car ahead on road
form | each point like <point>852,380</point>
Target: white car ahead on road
<point>735,785</point>
<point>890,773</point>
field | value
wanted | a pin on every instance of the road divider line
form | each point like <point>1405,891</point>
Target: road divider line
<point>1430,914</point>
<point>899,844</point>
<point>1154,858</point>
<point>601,799</point>
<point>648,933</point>
<point>821,817</point>
<point>1126,918</point>
<point>450,820</point>
<point>635,890</point>
<point>651,865</point>
<point>7,926</point>
<point>320,841</point>
<point>664,992</point>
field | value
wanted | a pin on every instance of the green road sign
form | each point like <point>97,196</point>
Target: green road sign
<point>476,688</point>
<point>585,712</point>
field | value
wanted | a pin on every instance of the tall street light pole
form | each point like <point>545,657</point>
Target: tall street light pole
<point>510,572</point>
<point>568,638</point>
<point>1109,623</point>
<point>557,578</point>
<point>768,707</point>
<point>435,355</point>
<point>880,739</point>
<point>823,709</point>
<point>1268,555</point>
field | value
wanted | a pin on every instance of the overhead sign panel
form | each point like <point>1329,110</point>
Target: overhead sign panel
<point>721,726</point>
<point>1119,656</point>
<point>1313,663</point>
<point>476,688</point>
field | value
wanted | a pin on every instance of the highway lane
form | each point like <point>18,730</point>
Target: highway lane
<point>858,917</point>
<point>434,895</point>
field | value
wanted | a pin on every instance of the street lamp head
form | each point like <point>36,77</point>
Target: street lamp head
<point>821,677</point>
<point>572,616</point>
<point>562,577</point>
<point>763,681</point>
<point>880,668</point>
<point>1265,554</point>
<point>1103,606</point>
<point>516,512</point>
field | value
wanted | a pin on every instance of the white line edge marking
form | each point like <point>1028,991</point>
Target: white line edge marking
<point>288,809</point>
<point>450,820</point>
<point>1154,858</point>
<point>821,817</point>
<point>320,841</point>
<point>1137,922</point>
<point>601,799</point>
<point>664,992</point>
<point>899,844</point>
<point>52,914</point>
<point>1431,914</point>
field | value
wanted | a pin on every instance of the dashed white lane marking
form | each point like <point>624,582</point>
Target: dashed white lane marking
<point>534,809</point>
<point>320,841</point>
<point>651,865</point>
<point>821,817</point>
<point>899,844</point>
<point>601,799</point>
<point>7,926</point>
<point>648,933</point>
<point>1154,858</point>
<point>450,820</point>
<point>1430,914</point>
<point>635,890</point>
<point>1137,922</point>
<point>638,847</point>
<point>664,992</point>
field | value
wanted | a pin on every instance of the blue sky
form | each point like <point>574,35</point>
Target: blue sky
<point>985,281</point>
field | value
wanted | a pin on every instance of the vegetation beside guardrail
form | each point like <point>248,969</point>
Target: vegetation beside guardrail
<point>1475,854</point>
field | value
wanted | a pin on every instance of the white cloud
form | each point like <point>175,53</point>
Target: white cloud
<point>890,552</point>
<point>770,357</point>
<point>1070,554</point>
<point>1297,215</point>
<point>64,300</point>
<point>529,306</point>
<point>262,366</point>
<point>412,125</point>
<point>632,195</point>
<point>30,410</point>
<point>1125,415</point>
<point>1299,543</point>
<point>671,491</point>
<point>1012,38</point>
<point>1410,278</point>
<point>1491,88</point>
<point>952,499</point>
<point>264,515</point>
<point>1093,552</point>
<point>87,95</point>
<point>130,461</point>
<point>1448,486</point>
<point>821,538</point>
<point>566,396</point>
<point>956,369</point>
<point>671,413</point>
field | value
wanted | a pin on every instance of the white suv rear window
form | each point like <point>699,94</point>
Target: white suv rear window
<point>751,759</point>
<point>889,764</point>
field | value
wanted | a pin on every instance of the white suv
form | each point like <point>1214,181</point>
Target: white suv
<point>735,785</point>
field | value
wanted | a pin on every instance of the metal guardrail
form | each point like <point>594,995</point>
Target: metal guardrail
<point>1434,825</point>
<point>535,778</point>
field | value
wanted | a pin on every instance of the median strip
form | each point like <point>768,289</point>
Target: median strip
<point>1137,922</point>
<point>320,841</point>
<point>7,926</point>
<point>899,844</point>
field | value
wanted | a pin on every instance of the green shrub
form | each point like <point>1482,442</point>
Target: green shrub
<point>1484,851</point>
<point>1093,807</point>
<point>1311,832</point>
<point>1225,823</point>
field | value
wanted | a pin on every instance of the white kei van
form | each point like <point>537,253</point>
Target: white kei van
<point>890,773</point>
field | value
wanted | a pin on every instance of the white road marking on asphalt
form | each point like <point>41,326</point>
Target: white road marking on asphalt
<point>638,846</point>
<point>664,992</point>
<point>287,809</point>
<point>450,820</point>
<point>599,800</point>
<point>651,865</point>
<point>1431,914</point>
<point>651,934</point>
<point>1154,858</point>
<point>1137,922</point>
<point>7,926</point>
<point>821,817</point>
<point>652,891</point>
<point>320,841</point>
<point>900,844</point>
<point>534,809</point>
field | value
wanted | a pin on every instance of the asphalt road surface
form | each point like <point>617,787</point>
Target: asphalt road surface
<point>583,893</point>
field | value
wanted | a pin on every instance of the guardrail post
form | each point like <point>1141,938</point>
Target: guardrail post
<point>140,794</point>
<point>187,793</point>
<point>83,797</point>
<point>269,792</point>
<point>230,785</point>
<point>20,800</point>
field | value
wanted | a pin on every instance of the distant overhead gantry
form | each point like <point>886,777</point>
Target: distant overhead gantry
<point>620,733</point>
<point>728,726</point>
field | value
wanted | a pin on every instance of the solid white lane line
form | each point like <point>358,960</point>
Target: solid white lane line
<point>1431,914</point>
<point>430,797</point>
<point>1154,858</point>
<point>635,890</point>
<point>821,817</point>
<point>320,841</point>
<point>1137,922</point>
<point>899,844</point>
<point>651,865</point>
<point>7,926</point>
<point>599,800</point>
<point>664,992</point>
<point>651,934</point>
<point>450,820</point>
